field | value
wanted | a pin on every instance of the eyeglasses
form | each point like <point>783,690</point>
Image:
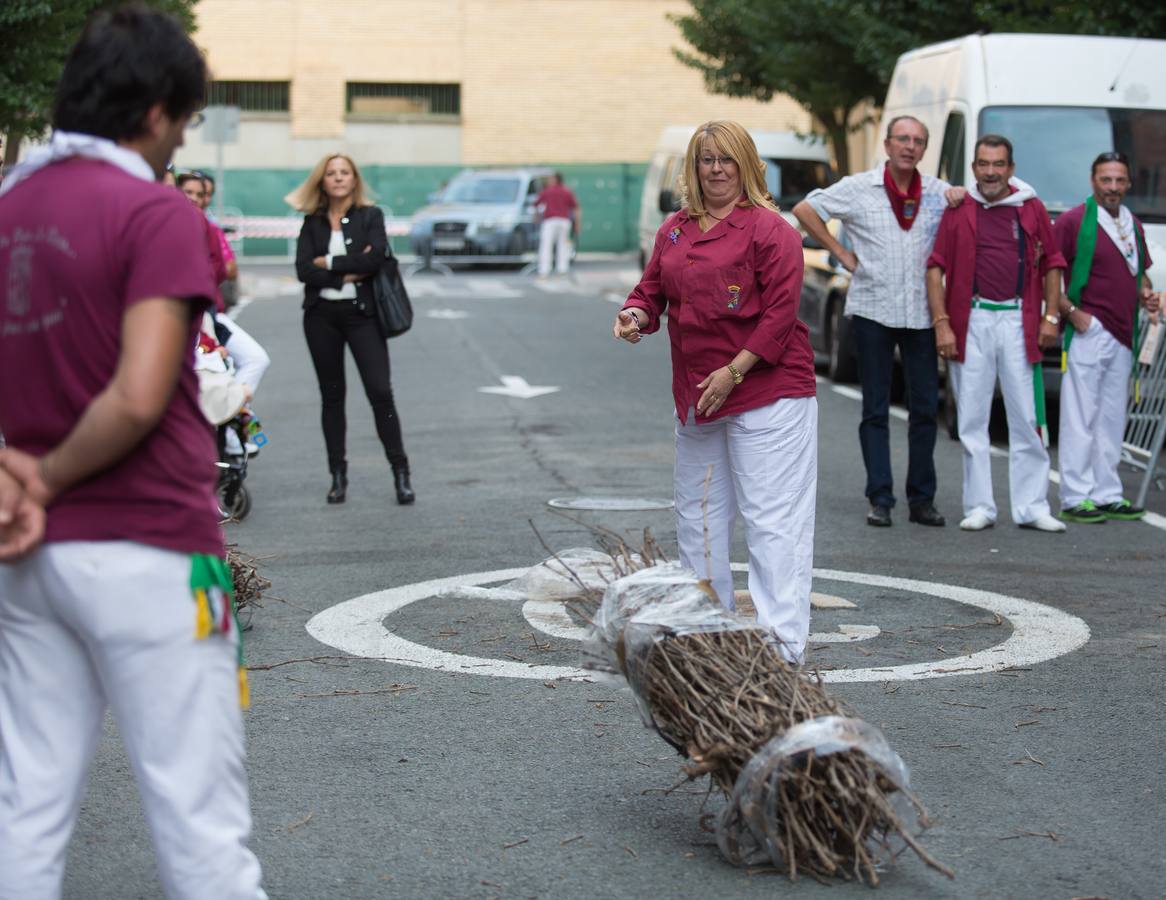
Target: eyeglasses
<point>908,140</point>
<point>709,161</point>
<point>195,120</point>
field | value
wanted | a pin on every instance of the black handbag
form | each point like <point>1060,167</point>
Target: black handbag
<point>394,312</point>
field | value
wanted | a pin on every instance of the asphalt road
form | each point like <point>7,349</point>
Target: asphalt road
<point>380,779</point>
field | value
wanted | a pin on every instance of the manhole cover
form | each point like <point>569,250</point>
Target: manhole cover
<point>610,504</point>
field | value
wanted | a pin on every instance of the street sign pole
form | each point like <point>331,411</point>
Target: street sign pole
<point>221,127</point>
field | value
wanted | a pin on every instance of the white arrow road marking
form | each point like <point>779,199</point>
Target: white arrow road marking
<point>447,314</point>
<point>1040,632</point>
<point>516,386</point>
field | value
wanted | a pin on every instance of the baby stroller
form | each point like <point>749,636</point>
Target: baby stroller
<point>247,433</point>
<point>239,434</point>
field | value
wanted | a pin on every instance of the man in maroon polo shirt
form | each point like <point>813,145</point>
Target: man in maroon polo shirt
<point>996,251</point>
<point>125,605</point>
<point>1106,249</point>
<point>560,209</point>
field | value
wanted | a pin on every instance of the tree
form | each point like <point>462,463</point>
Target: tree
<point>803,48</point>
<point>35,38</point>
<point>833,55</point>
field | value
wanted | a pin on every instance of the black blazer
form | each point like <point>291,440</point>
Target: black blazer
<point>363,226</point>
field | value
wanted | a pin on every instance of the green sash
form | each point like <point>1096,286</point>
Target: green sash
<point>1083,263</point>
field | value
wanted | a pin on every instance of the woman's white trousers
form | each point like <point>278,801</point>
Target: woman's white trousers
<point>764,464</point>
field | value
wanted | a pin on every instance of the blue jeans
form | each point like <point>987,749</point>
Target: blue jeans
<point>875,346</point>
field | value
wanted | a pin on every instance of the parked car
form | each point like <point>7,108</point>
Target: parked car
<point>481,213</point>
<point>823,307</point>
<point>794,166</point>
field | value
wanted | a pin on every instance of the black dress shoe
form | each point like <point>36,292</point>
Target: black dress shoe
<point>879,516</point>
<point>405,494</point>
<point>339,487</point>
<point>927,514</point>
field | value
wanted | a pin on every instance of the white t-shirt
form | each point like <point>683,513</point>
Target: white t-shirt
<point>336,247</point>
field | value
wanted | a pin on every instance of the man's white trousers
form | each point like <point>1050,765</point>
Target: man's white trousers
<point>554,234</point>
<point>765,466</point>
<point>995,349</point>
<point>1094,397</point>
<point>85,626</point>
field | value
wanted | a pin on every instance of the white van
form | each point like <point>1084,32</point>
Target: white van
<point>1061,100</point>
<point>795,165</point>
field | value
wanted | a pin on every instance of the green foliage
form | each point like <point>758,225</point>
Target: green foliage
<point>832,55</point>
<point>35,37</point>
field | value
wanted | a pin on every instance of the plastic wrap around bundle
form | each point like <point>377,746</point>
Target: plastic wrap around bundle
<point>552,579</point>
<point>748,825</point>
<point>659,602</point>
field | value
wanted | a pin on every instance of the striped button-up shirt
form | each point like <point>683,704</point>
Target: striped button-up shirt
<point>888,285</point>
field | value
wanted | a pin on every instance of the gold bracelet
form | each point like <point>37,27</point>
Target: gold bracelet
<point>939,319</point>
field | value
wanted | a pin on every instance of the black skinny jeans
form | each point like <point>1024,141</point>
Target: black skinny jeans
<point>328,326</point>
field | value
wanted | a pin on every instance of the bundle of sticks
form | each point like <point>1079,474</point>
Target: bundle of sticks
<point>249,585</point>
<point>810,788</point>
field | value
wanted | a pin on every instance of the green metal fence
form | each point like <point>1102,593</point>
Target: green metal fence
<point>609,194</point>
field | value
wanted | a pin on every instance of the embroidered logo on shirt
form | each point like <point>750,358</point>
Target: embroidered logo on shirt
<point>674,235</point>
<point>19,280</point>
<point>734,295</point>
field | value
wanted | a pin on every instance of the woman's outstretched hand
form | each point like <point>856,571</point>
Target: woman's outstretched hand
<point>626,327</point>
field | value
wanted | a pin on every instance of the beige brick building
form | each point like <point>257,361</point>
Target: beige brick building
<point>432,82</point>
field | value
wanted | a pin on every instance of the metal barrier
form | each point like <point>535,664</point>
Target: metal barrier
<point>1146,414</point>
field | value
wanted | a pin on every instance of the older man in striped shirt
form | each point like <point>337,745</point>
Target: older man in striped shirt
<point>891,214</point>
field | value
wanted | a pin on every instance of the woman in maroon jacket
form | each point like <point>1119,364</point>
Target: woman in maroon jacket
<point>728,271</point>
<point>341,246</point>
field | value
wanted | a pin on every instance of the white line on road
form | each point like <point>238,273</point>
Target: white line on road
<point>1040,632</point>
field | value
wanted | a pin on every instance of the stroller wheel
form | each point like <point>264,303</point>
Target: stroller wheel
<point>234,502</point>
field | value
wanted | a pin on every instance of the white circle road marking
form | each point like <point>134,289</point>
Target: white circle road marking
<point>1040,632</point>
<point>610,504</point>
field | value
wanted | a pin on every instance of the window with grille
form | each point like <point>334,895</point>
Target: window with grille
<point>251,96</point>
<point>405,99</point>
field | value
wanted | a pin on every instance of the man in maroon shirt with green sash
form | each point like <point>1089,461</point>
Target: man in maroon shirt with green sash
<point>1106,249</point>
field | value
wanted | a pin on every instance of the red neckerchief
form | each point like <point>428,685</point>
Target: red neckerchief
<point>906,206</point>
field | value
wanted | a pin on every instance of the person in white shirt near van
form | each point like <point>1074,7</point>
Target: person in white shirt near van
<point>891,213</point>
<point>994,258</point>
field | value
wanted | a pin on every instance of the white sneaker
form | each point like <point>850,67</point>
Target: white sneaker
<point>1045,523</point>
<point>977,521</point>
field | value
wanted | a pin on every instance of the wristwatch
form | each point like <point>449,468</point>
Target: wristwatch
<point>1053,319</point>
<point>736,373</point>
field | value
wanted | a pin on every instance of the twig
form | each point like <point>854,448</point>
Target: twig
<point>516,844</point>
<point>301,823</point>
<point>392,689</point>
<point>565,841</point>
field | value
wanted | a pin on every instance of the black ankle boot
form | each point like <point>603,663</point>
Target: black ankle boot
<point>405,494</point>
<point>339,483</point>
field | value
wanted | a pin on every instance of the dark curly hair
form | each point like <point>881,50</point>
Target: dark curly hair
<point>127,60</point>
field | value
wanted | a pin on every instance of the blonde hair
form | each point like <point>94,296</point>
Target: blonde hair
<point>732,139</point>
<point>310,198</point>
